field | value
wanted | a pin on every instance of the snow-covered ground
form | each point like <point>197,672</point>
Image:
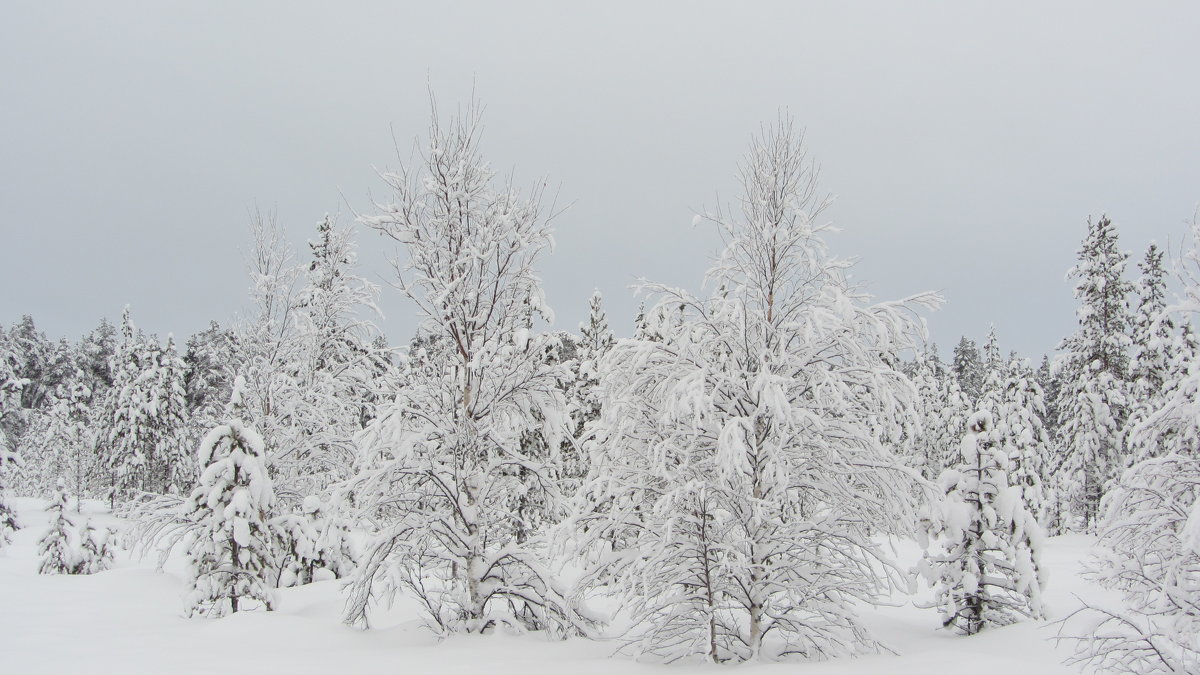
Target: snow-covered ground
<point>130,620</point>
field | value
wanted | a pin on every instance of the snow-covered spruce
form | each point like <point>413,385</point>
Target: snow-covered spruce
<point>231,557</point>
<point>8,464</point>
<point>59,548</point>
<point>1163,350</point>
<point>941,407</point>
<point>968,369</point>
<point>985,571</point>
<point>143,419</point>
<point>311,544</point>
<point>1149,547</point>
<point>737,475</point>
<point>450,453</point>
<point>583,395</point>
<point>307,357</point>
<point>95,548</point>
<point>1093,401</point>
<point>1020,408</point>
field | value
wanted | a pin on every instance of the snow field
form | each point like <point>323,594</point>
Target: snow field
<point>130,620</point>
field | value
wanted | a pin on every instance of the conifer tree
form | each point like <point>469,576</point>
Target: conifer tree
<point>1093,400</point>
<point>992,361</point>
<point>232,556</point>
<point>169,406</point>
<point>967,366</point>
<point>986,569</point>
<point>1162,352</point>
<point>125,433</point>
<point>334,365</point>
<point>8,516</point>
<point>1149,546</point>
<point>943,410</point>
<point>61,445</point>
<point>1023,438</point>
<point>95,552</point>
<point>595,342</point>
<point>57,548</point>
<point>211,360</point>
<point>10,387</point>
<point>1050,382</point>
<point>93,356</point>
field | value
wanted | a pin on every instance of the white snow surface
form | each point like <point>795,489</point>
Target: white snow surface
<point>130,620</point>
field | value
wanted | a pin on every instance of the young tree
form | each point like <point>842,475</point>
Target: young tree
<point>1093,399</point>
<point>232,556</point>
<point>58,548</point>
<point>313,543</point>
<point>987,571</point>
<point>583,396</point>
<point>451,448</point>
<point>95,554</point>
<point>737,471</point>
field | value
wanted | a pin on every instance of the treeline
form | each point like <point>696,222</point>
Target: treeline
<point>729,473</point>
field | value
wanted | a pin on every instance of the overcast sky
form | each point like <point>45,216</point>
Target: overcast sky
<point>966,143</point>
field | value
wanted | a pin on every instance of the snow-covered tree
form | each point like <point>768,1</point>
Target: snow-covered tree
<point>967,366</point>
<point>334,368</point>
<point>8,516</point>
<point>943,410</point>
<point>1162,353</point>
<point>1093,400</point>
<point>268,343</point>
<point>1023,438</point>
<point>59,548</point>
<point>985,571</point>
<point>1149,550</point>
<point>451,449</point>
<point>595,341</point>
<point>231,559</point>
<point>992,361</point>
<point>1051,383</point>
<point>314,542</point>
<point>308,357</point>
<point>168,400</point>
<point>737,476</point>
<point>211,360</point>
<point>93,355</point>
<point>1149,546</point>
<point>10,389</point>
<point>125,433</point>
<point>95,552</point>
<point>61,445</point>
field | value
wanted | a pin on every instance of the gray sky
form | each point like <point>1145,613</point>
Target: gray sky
<point>966,143</point>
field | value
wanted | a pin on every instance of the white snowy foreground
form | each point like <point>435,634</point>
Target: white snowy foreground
<point>130,620</point>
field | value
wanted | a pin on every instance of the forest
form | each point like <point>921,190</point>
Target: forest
<point>725,484</point>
